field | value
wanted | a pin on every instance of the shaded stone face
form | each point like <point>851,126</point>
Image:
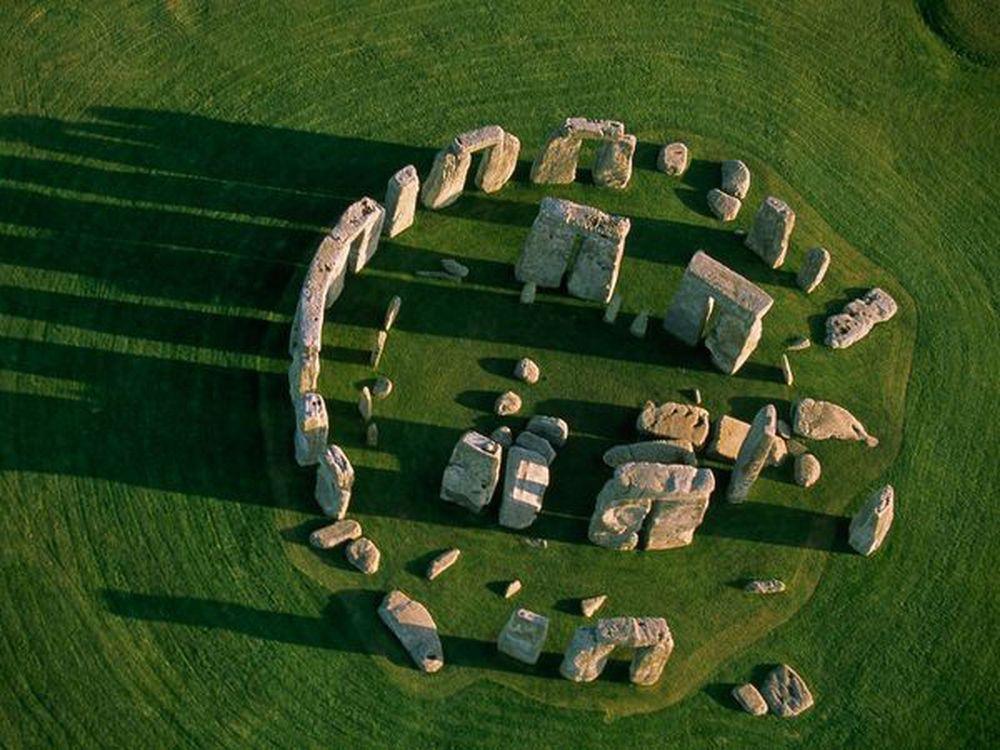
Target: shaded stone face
<point>859,317</point>
<point>538,444</point>
<point>771,230</point>
<point>557,160</point>
<point>814,267</point>
<point>334,482</point>
<point>724,206</point>
<point>523,636</point>
<point>413,625</point>
<point>673,159</point>
<point>401,200</point>
<point>872,522</point>
<point>735,178</point>
<point>754,455</point>
<point>553,429</point>
<point>473,472</point>
<point>613,163</point>
<point>653,451</point>
<point>448,174</point>
<point>311,429</point>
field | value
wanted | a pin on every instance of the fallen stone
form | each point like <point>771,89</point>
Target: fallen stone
<point>527,370</point>
<point>652,451</point>
<point>526,478</point>
<point>413,625</point>
<point>335,534</point>
<point>371,435</point>
<point>674,421</point>
<point>639,325</point>
<point>807,470</point>
<point>442,562</point>
<point>697,396</point>
<point>503,436</point>
<point>523,637</point>
<point>363,555</point>
<point>798,344</point>
<point>512,589</point>
<point>590,605</point>
<point>750,699</point>
<point>334,482</point>
<point>786,692</point>
<point>814,267</point>
<point>401,200</point>
<point>365,403</point>
<point>391,313</point>
<point>771,229</point>
<point>553,429</point>
<point>535,542</point>
<point>872,522</point>
<point>614,307</point>
<point>528,292</point>
<point>724,206</point>
<point>538,444</point>
<point>311,429</point>
<point>673,159</point>
<point>765,586</point>
<point>755,452</point>
<point>377,348</point>
<point>507,403</point>
<point>795,448</point>
<point>786,370</point>
<point>735,178</point>
<point>454,268</point>
<point>822,420</point>
<point>859,317</point>
<point>473,472</point>
<point>382,388</point>
<point>729,435</point>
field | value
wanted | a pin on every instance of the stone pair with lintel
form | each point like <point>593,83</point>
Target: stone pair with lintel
<point>557,161</point>
<point>448,174</point>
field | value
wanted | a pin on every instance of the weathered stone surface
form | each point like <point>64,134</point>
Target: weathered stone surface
<point>729,435</point>
<point>590,605</point>
<point>717,304</point>
<point>660,504</point>
<point>334,482</point>
<point>538,444</point>
<point>673,159</point>
<point>442,562</point>
<point>311,429</point>
<point>392,312</point>
<point>798,344</point>
<point>779,452</point>
<point>401,200</point>
<point>750,699</point>
<point>448,174</point>
<point>639,325</point>
<point>503,436</point>
<point>526,478</point>
<point>585,656</point>
<point>648,663</point>
<point>724,206</point>
<point>614,307</point>
<point>771,230</point>
<point>613,162</point>
<point>378,347</point>
<point>454,268</point>
<point>528,293</point>
<point>365,403</point>
<point>588,651</point>
<point>872,522</point>
<point>814,267</point>
<point>652,451</point>
<point>335,534</point>
<point>754,454</point>
<point>822,420</point>
<point>527,370</point>
<point>413,625</point>
<point>382,388</point>
<point>563,228</point>
<point>473,472</point>
<point>735,178</point>
<point>786,692</point>
<point>859,317</point>
<point>557,160</point>
<point>553,429</point>
<point>673,421</point>
<point>507,403</point>
<point>359,228</point>
<point>513,588</point>
<point>786,370</point>
<point>371,435</point>
<point>523,637</point>
<point>363,555</point>
<point>535,542</point>
<point>765,586</point>
<point>303,374</point>
<point>807,470</point>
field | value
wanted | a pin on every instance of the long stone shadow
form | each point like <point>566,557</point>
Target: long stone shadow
<point>776,524</point>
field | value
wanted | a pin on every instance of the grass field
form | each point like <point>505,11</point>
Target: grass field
<point>166,172</point>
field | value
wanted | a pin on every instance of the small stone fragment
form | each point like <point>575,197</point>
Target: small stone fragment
<point>590,605</point>
<point>859,317</point>
<point>673,159</point>
<point>377,348</point>
<point>872,522</point>
<point>535,542</point>
<point>553,429</point>
<point>442,562</point>
<point>724,206</point>
<point>512,588</point>
<point>538,444</point>
<point>786,370</point>
<point>365,404</point>
<point>822,420</point>
<point>613,308</point>
<point>697,396</point>
<point>413,625</point>
<point>363,555</point>
<point>813,269</point>
<point>371,435</point>
<point>807,470</point>
<point>523,637</point>
<point>391,313</point>
<point>507,403</point>
<point>674,421</point>
<point>765,586</point>
<point>798,344</point>
<point>527,370</point>
<point>639,325</point>
<point>750,699</point>
<point>503,436</point>
<point>335,534</point>
<point>453,268</point>
<point>735,178</point>
<point>653,451</point>
<point>786,692</point>
<point>771,230</point>
<point>528,292</point>
<point>382,388</point>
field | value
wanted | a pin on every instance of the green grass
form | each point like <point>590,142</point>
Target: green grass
<point>166,171</point>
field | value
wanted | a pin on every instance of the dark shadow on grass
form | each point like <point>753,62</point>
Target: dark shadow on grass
<point>504,367</point>
<point>722,694</point>
<point>776,524</point>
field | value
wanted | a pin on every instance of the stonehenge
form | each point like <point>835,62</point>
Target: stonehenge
<point>814,267</point>
<point>586,242</point>
<point>589,649</point>
<point>718,305</point>
<point>557,161</point>
<point>442,562</point>
<point>523,636</point>
<point>652,451</point>
<point>311,429</point>
<point>446,181</point>
<point>673,159</point>
<point>526,478</point>
<point>823,420</point>
<point>755,452</point>
<point>673,421</point>
<point>859,317</point>
<point>473,472</point>
<point>334,482</point>
<point>401,201</point>
<point>785,692</point>
<point>872,522</point>
<point>416,630</point>
<point>771,230</point>
<point>659,505</point>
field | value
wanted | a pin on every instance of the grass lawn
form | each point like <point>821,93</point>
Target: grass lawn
<point>167,170</point>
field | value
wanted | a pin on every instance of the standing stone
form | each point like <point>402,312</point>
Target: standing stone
<point>335,534</point>
<point>556,162</point>
<point>377,348</point>
<point>303,374</point>
<point>538,444</point>
<point>442,562</point>
<point>772,227</point>
<point>413,625</point>
<point>735,178</point>
<point>382,388</point>
<point>613,163</point>
<point>507,403</point>
<point>754,454</point>
<point>750,699</point>
<point>334,482</point>
<point>813,269</point>
<point>311,429</point>
<point>391,313</point>
<point>527,370</point>
<point>523,637</point>
<point>553,429</point>
<point>371,435</point>
<point>613,308</point>
<point>585,656</point>
<point>873,521</point>
<point>674,421</point>
<point>652,451</point>
<point>639,325</point>
<point>807,470</point>
<point>446,181</point>
<point>765,586</point>
<point>673,159</point>
<point>786,370</point>
<point>473,472</point>
<point>822,420</point>
<point>729,435</point>
<point>859,317</point>
<point>363,555</point>
<point>365,404</point>
<point>589,649</point>
<point>648,662</point>
<point>724,206</point>
<point>453,268</point>
<point>786,692</point>
<point>779,452</point>
<point>401,200</point>
<point>512,589</point>
<point>526,478</point>
<point>696,393</point>
<point>590,605</point>
<point>503,436</point>
<point>528,292</point>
